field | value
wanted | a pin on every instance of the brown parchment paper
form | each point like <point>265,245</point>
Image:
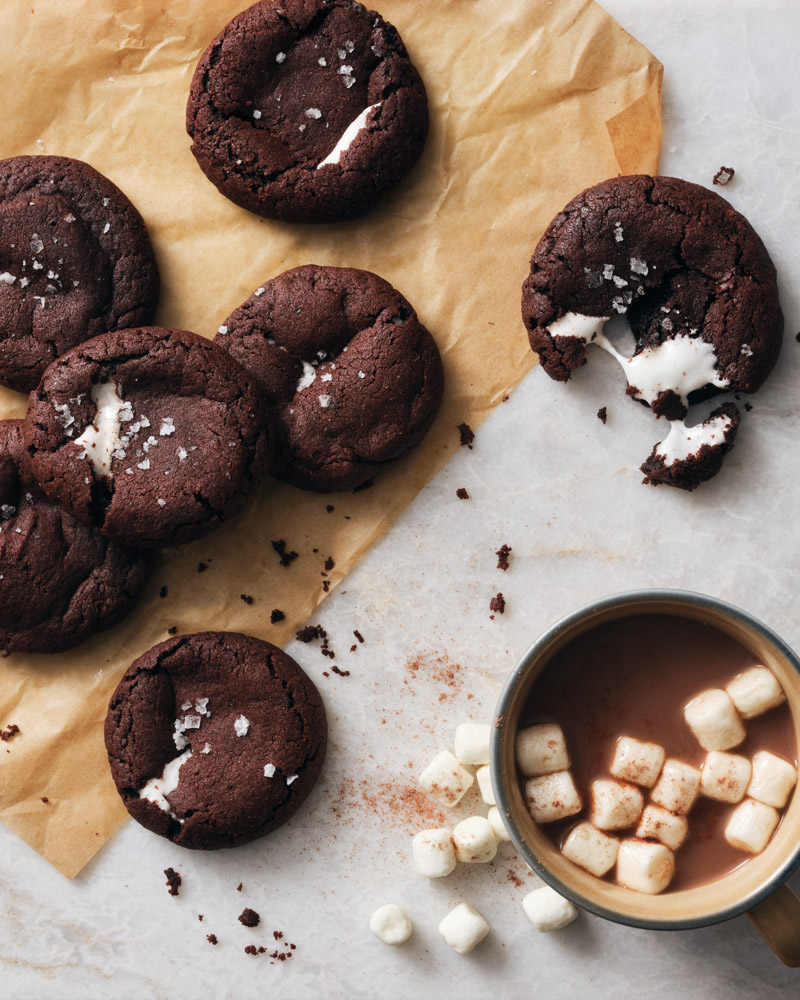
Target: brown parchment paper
<point>530,102</point>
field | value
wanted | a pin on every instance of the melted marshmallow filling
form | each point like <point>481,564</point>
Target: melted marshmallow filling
<point>684,442</point>
<point>101,439</point>
<point>349,134</point>
<point>157,789</point>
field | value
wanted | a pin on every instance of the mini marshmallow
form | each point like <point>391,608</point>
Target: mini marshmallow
<point>390,924</point>
<point>485,785</point>
<point>615,805</point>
<point>725,776</point>
<point>542,749</point>
<point>472,743</point>
<point>497,824</point>
<point>551,797</point>
<point>677,787</point>
<point>446,779</point>
<point>645,867</point>
<point>547,910</point>
<point>773,779</point>
<point>751,825</point>
<point>713,719</point>
<point>660,824</point>
<point>433,852</point>
<point>474,840</point>
<point>463,928</point>
<point>591,849</point>
<point>755,691</point>
<point>636,761</point>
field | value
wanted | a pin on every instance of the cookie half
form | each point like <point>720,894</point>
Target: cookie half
<point>60,581</point>
<point>307,111</point>
<point>75,261</point>
<point>215,739</point>
<point>352,378</point>
<point>688,456</point>
<point>154,436</point>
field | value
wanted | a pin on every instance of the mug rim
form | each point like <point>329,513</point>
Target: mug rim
<point>621,600</point>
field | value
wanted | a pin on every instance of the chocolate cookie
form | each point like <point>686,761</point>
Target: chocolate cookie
<point>689,456</point>
<point>692,276</point>
<point>152,435</point>
<point>307,110</point>
<point>75,261</point>
<point>60,580</point>
<point>352,378</point>
<point>215,739</point>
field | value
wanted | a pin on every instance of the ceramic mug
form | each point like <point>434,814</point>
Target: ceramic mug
<point>756,888</point>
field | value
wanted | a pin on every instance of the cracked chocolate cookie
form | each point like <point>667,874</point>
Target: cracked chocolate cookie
<point>352,378</point>
<point>690,275</point>
<point>689,456</point>
<point>215,739</point>
<point>307,110</point>
<point>75,261</point>
<point>152,435</point>
<point>60,580</point>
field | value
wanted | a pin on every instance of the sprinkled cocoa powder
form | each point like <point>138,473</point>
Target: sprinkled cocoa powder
<point>514,879</point>
<point>392,802</point>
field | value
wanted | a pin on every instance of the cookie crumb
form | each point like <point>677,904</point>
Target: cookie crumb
<point>251,950</point>
<point>498,604</point>
<point>276,616</point>
<point>172,630</point>
<point>358,635</point>
<point>724,176</point>
<point>240,886</point>
<point>173,881</point>
<point>45,798</point>
<point>502,556</point>
<point>163,592</point>
<point>202,567</point>
<point>748,407</point>
<point>200,917</point>
<point>602,414</point>
<point>330,508</point>
<point>353,648</point>
<point>211,938</point>
<point>341,673</point>
<point>364,486</point>
<point>310,633</point>
<point>9,732</point>
<point>247,598</point>
<point>249,917</point>
<point>462,494</point>
<point>286,558</point>
<point>467,435</point>
<point>329,564</point>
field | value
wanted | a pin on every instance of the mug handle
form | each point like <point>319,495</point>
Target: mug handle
<point>778,921</point>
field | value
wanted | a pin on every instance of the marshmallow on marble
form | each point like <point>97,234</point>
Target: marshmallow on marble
<point>547,910</point>
<point>390,924</point>
<point>446,779</point>
<point>660,824</point>
<point>713,719</point>
<point>483,774</point>
<point>644,866</point>
<point>463,928</point>
<point>542,749</point>
<point>755,691</point>
<point>474,840</point>
<point>637,761</point>
<point>615,805</point>
<point>433,853</point>
<point>497,824</point>
<point>725,776</point>
<point>773,779</point>
<point>551,797</point>
<point>472,743</point>
<point>591,849</point>
<point>677,787</point>
<point>751,825</point>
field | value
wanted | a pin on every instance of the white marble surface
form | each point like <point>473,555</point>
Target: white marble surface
<point>549,479</point>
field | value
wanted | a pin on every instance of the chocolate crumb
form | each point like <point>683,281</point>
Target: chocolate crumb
<point>286,558</point>
<point>797,337</point>
<point>45,799</point>
<point>163,591</point>
<point>364,486</point>
<point>240,886</point>
<point>211,938</point>
<point>330,508</point>
<point>278,935</point>
<point>724,176</point>
<point>354,647</point>
<point>358,635</point>
<point>467,435</point>
<point>276,616</point>
<point>498,604</point>
<point>200,917</point>
<point>172,629</point>
<point>602,414</point>
<point>341,673</point>
<point>251,950</point>
<point>9,732</point>
<point>247,598</point>
<point>502,556</point>
<point>202,567</point>
<point>748,407</point>
<point>310,633</point>
<point>325,673</point>
<point>462,494</point>
<point>329,564</point>
<point>249,917</point>
<point>326,585</point>
<point>173,881</point>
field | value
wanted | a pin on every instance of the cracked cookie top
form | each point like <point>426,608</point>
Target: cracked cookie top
<point>307,110</point>
<point>152,435</point>
<point>75,261</point>
<point>215,739</point>
<point>352,378</point>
